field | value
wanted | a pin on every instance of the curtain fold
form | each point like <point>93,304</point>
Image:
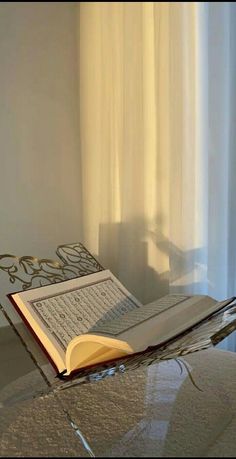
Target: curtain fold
<point>157,143</point>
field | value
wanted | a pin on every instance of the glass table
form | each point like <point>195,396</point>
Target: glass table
<point>175,401</point>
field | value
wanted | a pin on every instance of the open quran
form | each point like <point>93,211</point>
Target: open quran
<point>93,319</point>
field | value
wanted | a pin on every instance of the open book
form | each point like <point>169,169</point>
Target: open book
<point>94,318</point>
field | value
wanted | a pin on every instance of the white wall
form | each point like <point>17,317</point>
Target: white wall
<point>39,159</point>
<point>40,187</point>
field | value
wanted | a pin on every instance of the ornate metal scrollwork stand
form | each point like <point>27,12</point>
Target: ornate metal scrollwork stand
<point>34,272</point>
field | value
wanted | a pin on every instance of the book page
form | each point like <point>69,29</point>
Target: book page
<point>167,324</point>
<point>71,308</point>
<point>149,325</point>
<point>161,320</point>
<point>137,316</point>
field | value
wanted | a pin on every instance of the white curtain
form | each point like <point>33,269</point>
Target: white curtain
<point>157,116</point>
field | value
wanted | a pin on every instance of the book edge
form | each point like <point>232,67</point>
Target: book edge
<point>30,328</point>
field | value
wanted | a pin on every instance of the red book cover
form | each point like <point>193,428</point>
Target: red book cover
<point>32,331</point>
